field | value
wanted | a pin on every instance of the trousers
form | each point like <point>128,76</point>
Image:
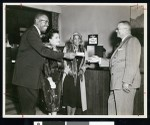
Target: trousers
<point>120,102</point>
<point>27,99</point>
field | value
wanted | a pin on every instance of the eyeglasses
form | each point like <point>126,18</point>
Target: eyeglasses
<point>45,21</point>
<point>117,29</point>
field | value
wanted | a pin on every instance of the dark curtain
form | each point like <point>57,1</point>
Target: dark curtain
<point>55,17</point>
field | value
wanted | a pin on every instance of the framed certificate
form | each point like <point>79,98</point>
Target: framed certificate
<point>90,50</point>
<point>93,39</point>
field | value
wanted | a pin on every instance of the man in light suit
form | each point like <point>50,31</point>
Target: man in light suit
<point>125,72</point>
<point>29,64</point>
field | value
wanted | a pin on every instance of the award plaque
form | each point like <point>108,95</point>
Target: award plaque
<point>93,39</point>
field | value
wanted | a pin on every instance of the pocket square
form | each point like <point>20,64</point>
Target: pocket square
<point>120,49</point>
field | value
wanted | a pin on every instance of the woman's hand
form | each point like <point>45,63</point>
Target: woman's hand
<point>80,74</point>
<point>48,45</point>
<point>51,82</point>
<point>67,69</point>
<point>83,68</point>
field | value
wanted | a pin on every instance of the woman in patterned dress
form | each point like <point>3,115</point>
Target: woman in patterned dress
<point>52,76</point>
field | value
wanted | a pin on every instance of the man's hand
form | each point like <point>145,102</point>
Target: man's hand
<point>69,55</point>
<point>94,59</point>
<point>125,87</point>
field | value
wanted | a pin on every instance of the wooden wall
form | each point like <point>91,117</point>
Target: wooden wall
<point>97,87</point>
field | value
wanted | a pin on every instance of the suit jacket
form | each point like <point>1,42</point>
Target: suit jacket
<point>124,64</point>
<point>30,59</point>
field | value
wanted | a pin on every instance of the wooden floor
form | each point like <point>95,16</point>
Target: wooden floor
<point>12,107</point>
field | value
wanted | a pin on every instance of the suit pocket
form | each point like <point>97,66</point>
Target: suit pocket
<point>120,49</point>
<point>120,54</point>
<point>117,78</point>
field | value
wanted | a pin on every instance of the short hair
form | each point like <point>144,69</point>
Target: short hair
<point>127,23</point>
<point>39,14</point>
<point>50,33</point>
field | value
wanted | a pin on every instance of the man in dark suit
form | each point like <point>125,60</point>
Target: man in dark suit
<point>29,64</point>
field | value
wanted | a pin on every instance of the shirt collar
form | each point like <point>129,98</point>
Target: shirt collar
<point>38,30</point>
<point>125,37</point>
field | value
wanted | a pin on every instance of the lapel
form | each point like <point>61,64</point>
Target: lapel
<point>121,44</point>
<point>33,28</point>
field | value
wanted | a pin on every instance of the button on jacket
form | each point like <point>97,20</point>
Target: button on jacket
<point>124,64</point>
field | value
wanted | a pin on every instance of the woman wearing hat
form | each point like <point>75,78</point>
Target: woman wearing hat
<point>74,91</point>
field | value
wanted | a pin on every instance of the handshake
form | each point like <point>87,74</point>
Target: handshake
<point>103,62</point>
<point>94,59</point>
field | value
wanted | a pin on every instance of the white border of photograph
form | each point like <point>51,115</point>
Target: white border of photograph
<point>35,5</point>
